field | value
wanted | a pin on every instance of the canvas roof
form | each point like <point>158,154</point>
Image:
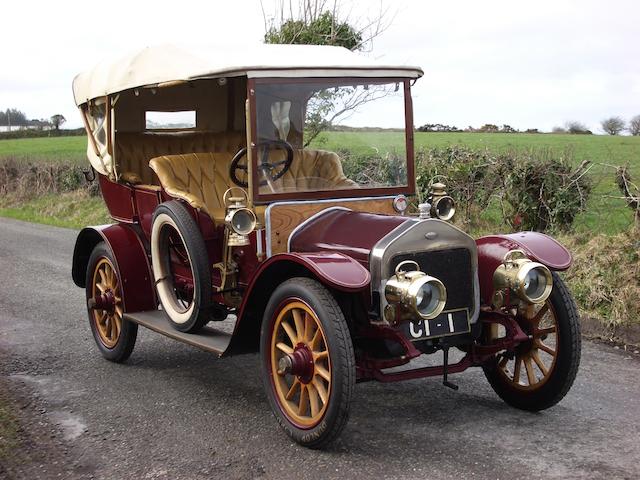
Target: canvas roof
<point>156,65</point>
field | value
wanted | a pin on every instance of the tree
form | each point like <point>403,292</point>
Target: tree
<point>320,22</point>
<point>13,117</point>
<point>634,126</point>
<point>57,120</point>
<point>577,128</point>
<point>613,125</point>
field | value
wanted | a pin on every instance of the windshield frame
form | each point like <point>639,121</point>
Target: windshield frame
<point>263,198</point>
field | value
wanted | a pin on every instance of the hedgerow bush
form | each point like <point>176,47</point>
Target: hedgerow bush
<point>535,190</point>
<point>26,181</point>
<point>379,169</point>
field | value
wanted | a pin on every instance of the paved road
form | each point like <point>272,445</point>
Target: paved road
<point>176,412</point>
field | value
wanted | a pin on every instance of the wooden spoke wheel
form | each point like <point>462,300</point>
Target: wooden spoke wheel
<point>531,365</point>
<point>539,372</point>
<point>107,314</point>
<point>114,335</point>
<point>308,361</point>
<point>300,364</point>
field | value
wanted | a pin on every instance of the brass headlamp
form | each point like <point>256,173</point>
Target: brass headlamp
<point>418,295</point>
<point>528,280</point>
<point>442,205</point>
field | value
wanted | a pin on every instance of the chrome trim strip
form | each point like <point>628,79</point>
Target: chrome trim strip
<point>259,243</point>
<point>267,213</point>
<point>312,217</point>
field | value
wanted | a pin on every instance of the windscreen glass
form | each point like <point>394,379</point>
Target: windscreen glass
<point>326,135</point>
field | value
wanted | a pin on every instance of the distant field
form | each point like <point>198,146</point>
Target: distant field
<point>46,149</point>
<point>604,214</point>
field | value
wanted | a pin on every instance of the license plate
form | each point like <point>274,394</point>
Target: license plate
<point>447,323</point>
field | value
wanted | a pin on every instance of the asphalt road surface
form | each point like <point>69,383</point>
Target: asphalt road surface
<point>176,412</point>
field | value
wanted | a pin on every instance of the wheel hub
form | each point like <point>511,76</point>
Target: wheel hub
<point>105,301</point>
<point>298,363</point>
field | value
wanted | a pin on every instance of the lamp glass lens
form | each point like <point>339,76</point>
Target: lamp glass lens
<point>444,207</point>
<point>242,222</point>
<point>535,283</point>
<point>427,298</point>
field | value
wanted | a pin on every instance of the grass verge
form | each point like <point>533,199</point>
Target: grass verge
<point>69,209</point>
<point>8,428</point>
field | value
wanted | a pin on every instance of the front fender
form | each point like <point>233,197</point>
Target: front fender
<point>131,261</point>
<point>333,270</point>
<point>537,246</point>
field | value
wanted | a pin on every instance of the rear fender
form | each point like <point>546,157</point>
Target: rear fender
<point>537,246</point>
<point>335,271</point>
<point>131,260</point>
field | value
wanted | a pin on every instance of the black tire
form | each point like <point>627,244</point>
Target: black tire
<point>337,342</point>
<point>173,215</point>
<point>567,361</point>
<point>126,340</point>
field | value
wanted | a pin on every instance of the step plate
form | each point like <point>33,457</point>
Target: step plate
<point>207,338</point>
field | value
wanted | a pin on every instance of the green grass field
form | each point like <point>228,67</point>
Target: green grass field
<point>605,213</point>
<point>46,149</point>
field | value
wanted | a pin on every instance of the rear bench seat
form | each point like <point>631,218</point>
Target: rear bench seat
<point>133,150</point>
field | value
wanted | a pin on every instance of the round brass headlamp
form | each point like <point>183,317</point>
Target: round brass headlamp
<point>530,281</point>
<point>416,292</point>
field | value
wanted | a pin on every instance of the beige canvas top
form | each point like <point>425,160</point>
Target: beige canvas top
<point>157,65</point>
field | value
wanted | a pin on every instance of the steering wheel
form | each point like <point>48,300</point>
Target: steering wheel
<point>271,171</point>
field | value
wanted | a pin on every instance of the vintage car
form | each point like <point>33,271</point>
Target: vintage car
<point>272,193</point>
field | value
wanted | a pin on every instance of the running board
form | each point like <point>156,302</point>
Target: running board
<point>208,339</point>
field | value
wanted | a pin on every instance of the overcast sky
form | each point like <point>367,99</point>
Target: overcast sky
<point>527,64</point>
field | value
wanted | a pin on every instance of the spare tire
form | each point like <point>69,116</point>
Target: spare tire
<point>181,267</point>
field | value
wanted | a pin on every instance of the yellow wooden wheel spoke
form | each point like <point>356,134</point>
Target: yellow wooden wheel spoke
<point>322,391</point>
<point>309,325</point>
<point>292,391</point>
<point>546,331</point>
<point>290,333</point>
<point>316,338</point>
<point>528,365</point>
<point>320,355</point>
<point>304,400</point>
<point>546,348</point>
<point>323,373</point>
<point>313,400</point>
<point>298,320</point>
<point>536,358</point>
<point>541,313</point>
<point>516,370</point>
<point>283,347</point>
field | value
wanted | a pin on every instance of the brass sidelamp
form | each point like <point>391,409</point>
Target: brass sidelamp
<point>442,205</point>
<point>239,222</point>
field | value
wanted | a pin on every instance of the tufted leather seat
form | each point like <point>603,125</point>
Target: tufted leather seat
<point>134,149</point>
<point>198,178</point>
<point>314,170</point>
<point>202,178</point>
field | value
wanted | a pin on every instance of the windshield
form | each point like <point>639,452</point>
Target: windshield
<point>330,136</point>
